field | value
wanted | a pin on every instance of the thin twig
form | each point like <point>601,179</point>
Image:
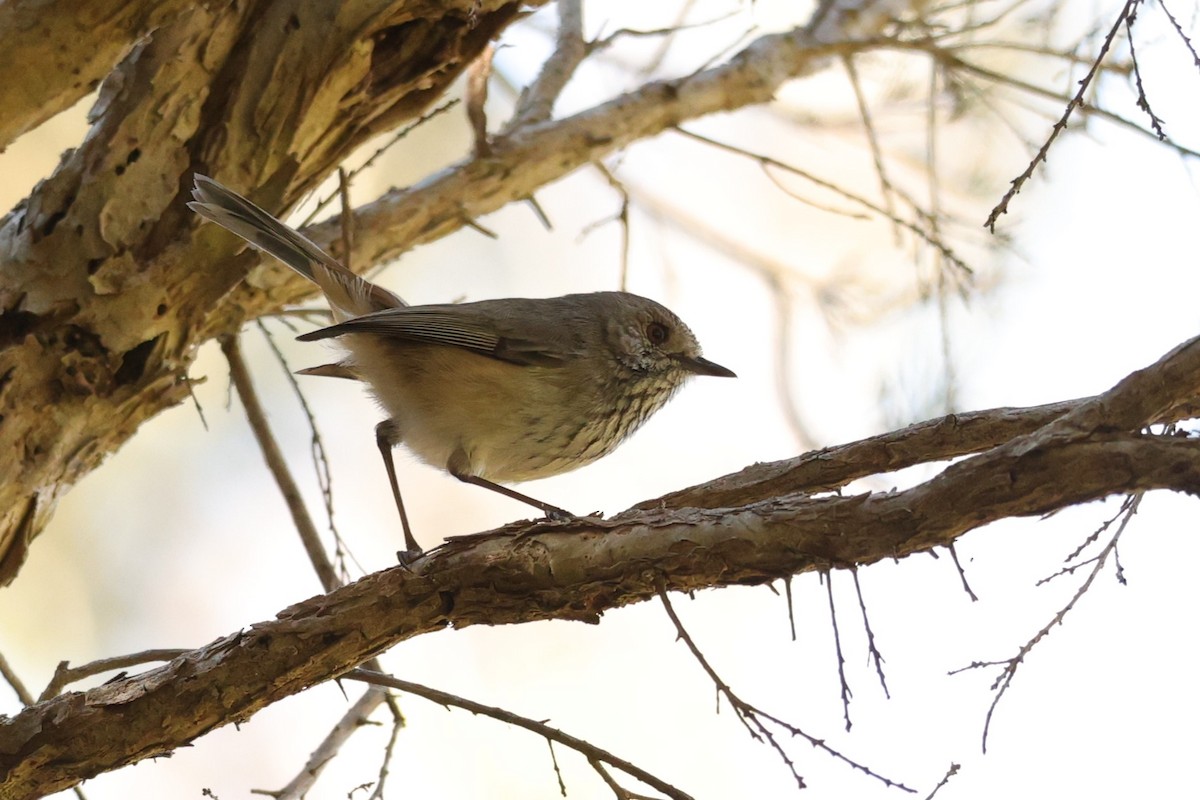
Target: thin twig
<point>787,589</point>
<point>397,725</point>
<point>1002,207</point>
<point>586,748</point>
<point>827,579</point>
<point>562,786</point>
<point>1093,537</point>
<point>950,773</point>
<point>536,103</point>
<point>621,217</point>
<point>752,717</point>
<point>14,680</point>
<point>1143,102</point>
<point>386,146</point>
<point>276,463</point>
<point>1187,42</point>
<point>962,574</point>
<point>353,720</point>
<point>873,653</point>
<point>65,674</point>
<point>320,458</point>
<point>478,75</point>
<point>767,162</point>
<point>309,537</point>
<point>864,112</point>
<point>1004,680</point>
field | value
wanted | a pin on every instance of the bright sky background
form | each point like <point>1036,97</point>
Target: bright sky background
<point>182,537</point>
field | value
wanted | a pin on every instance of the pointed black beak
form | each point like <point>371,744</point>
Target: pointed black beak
<point>698,365</point>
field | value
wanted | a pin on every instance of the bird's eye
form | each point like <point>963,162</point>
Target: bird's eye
<point>657,333</point>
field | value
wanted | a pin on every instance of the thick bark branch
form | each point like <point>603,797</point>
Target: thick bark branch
<point>73,43</point>
<point>106,293</point>
<point>579,570</point>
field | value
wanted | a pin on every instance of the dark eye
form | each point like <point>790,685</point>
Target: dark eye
<point>657,333</point>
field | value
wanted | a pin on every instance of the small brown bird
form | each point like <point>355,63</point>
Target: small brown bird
<point>497,390</point>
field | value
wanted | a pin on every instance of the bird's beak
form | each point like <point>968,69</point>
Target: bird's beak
<point>702,366</point>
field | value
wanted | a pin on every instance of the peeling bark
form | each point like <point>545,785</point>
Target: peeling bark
<point>106,292</point>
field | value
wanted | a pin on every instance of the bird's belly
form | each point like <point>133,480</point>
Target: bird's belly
<point>510,423</point>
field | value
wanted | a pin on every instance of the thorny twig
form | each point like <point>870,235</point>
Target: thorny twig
<point>1004,679</point>
<point>827,579</point>
<point>873,653</point>
<point>586,748</point>
<point>951,771</point>
<point>1001,208</point>
<point>752,717</point>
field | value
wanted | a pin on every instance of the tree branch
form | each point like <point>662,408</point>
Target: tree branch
<point>582,568</point>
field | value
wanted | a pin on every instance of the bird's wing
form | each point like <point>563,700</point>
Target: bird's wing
<point>453,326</point>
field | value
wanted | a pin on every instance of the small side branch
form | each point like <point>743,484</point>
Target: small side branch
<point>1084,84</point>
<point>1004,680</point>
<point>753,717</point>
<point>587,749</point>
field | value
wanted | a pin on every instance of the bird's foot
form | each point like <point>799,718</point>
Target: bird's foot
<point>559,515</point>
<point>407,558</point>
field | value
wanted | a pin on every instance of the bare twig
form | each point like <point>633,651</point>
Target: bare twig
<point>346,218</point>
<point>751,716</point>
<point>1004,680</point>
<point>1002,207</point>
<point>1093,537</point>
<point>562,786</point>
<point>586,748</point>
<point>864,112</point>
<point>353,720</point>
<point>14,680</point>
<point>477,95</point>
<point>320,457</point>
<point>621,217</point>
<point>1187,42</point>
<point>827,579</point>
<point>257,418</point>
<point>537,101</point>
<point>787,589</point>
<point>873,653</point>
<point>321,563</point>
<point>395,139</point>
<point>1143,102</point>
<point>397,725</point>
<point>65,674</point>
<point>767,162</point>
<point>951,771</point>
<point>962,574</point>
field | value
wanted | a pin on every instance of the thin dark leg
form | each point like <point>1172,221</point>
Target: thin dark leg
<point>382,438</point>
<point>553,512</point>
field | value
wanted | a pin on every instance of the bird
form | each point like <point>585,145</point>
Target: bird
<point>493,391</point>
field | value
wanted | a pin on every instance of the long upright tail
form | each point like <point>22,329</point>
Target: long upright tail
<point>348,294</point>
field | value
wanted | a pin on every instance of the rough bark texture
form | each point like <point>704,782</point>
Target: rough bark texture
<point>108,285</point>
<point>578,570</point>
<point>106,291</point>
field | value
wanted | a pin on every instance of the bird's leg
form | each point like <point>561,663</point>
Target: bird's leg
<point>385,437</point>
<point>551,512</point>
<point>459,467</point>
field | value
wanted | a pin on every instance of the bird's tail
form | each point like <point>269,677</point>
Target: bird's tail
<point>348,294</point>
